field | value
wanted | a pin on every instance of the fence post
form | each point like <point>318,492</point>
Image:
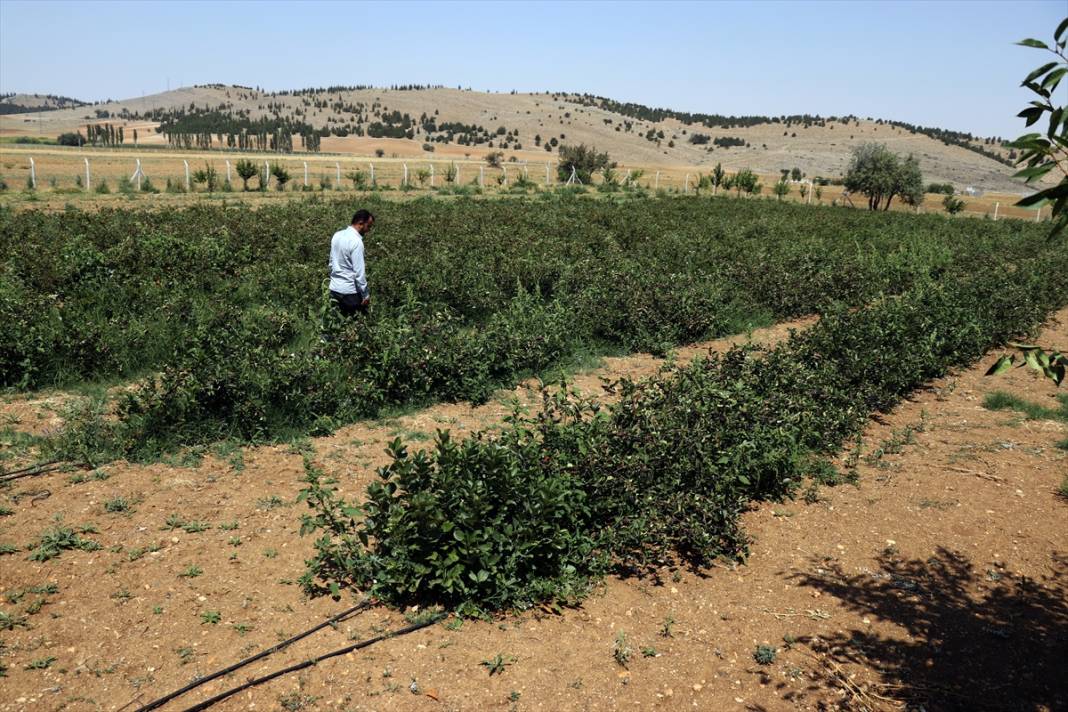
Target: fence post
<point>1038,214</point>
<point>372,173</point>
<point>504,169</point>
<point>431,175</point>
<point>458,166</point>
<point>33,174</point>
<point>481,175</point>
<point>86,175</point>
<point>186,175</point>
<point>656,183</point>
<point>227,170</point>
<point>996,211</point>
<point>686,187</point>
<point>546,174</point>
<point>266,173</point>
<point>405,181</point>
<point>305,174</point>
<point>138,174</point>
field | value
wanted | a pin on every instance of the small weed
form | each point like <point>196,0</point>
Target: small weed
<point>95,475</point>
<point>195,527</point>
<point>514,696</point>
<point>6,511</point>
<point>192,571</point>
<point>497,664</point>
<point>210,617</point>
<point>1062,491</point>
<point>41,663</point>
<point>185,655</point>
<point>53,542</point>
<point>621,650</point>
<point>8,549</point>
<point>135,554</point>
<point>764,654</point>
<point>229,526</point>
<point>296,701</point>
<point>667,626</point>
<point>648,652</point>
<point>234,541</point>
<point>122,595</point>
<point>270,553</point>
<point>242,628</point>
<point>939,504</point>
<point>118,505</point>
<point>11,622</point>
<point>157,610</point>
<point>454,623</point>
<point>173,522</point>
<point>269,503</point>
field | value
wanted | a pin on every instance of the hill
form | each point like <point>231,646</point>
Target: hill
<point>413,121</point>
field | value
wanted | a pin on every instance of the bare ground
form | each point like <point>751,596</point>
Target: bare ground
<point>939,580</point>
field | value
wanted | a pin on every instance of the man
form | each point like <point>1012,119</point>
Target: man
<point>348,277</point>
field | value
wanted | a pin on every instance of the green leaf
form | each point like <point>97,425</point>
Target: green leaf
<point>1060,29</point>
<point>1039,72</point>
<point>1054,78</point>
<point>1001,365</point>
<point>1033,43</point>
<point>1032,114</point>
<point>1035,172</point>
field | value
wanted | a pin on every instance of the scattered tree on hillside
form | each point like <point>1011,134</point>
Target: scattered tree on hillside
<point>494,158</point>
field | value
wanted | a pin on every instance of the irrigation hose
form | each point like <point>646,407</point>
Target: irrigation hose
<point>31,471</point>
<point>227,670</point>
<point>308,663</point>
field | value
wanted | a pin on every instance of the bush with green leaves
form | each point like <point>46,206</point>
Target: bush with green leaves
<point>560,497</point>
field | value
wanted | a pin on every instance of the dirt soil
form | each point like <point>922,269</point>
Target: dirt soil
<point>938,582</point>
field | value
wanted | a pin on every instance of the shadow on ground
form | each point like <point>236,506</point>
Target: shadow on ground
<point>974,638</point>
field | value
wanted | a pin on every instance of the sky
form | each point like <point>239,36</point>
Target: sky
<point>946,64</point>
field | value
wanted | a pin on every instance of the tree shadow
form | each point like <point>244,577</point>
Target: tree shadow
<point>972,640</point>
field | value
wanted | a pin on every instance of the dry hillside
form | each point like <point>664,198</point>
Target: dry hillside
<point>820,148</point>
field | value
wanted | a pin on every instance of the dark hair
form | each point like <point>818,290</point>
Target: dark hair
<point>362,216</point>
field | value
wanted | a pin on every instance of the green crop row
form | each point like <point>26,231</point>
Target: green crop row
<point>117,294</point>
<point>560,498</point>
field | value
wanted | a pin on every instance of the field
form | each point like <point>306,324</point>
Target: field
<point>60,176</point>
<point>775,479</point>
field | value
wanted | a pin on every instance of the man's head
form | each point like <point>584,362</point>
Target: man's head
<point>363,221</point>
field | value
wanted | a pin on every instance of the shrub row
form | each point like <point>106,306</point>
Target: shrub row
<point>564,496</point>
<point>118,293</point>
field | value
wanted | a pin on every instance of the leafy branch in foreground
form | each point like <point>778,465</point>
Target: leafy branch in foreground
<point>1052,365</point>
<point>1044,153</point>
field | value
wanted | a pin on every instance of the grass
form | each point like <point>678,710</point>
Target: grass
<point>56,540</point>
<point>1000,400</point>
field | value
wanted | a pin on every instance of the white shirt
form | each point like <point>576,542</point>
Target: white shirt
<point>347,272</point>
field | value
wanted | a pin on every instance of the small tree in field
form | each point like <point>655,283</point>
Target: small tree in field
<point>584,160</point>
<point>717,176</point>
<point>245,170</point>
<point>494,158</point>
<point>880,174</point>
<point>359,180</point>
<point>952,205</point>
<point>781,188</point>
<point>281,175</point>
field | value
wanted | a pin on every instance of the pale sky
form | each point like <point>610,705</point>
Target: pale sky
<point>946,64</point>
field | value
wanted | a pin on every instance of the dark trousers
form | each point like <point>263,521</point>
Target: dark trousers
<point>348,304</point>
